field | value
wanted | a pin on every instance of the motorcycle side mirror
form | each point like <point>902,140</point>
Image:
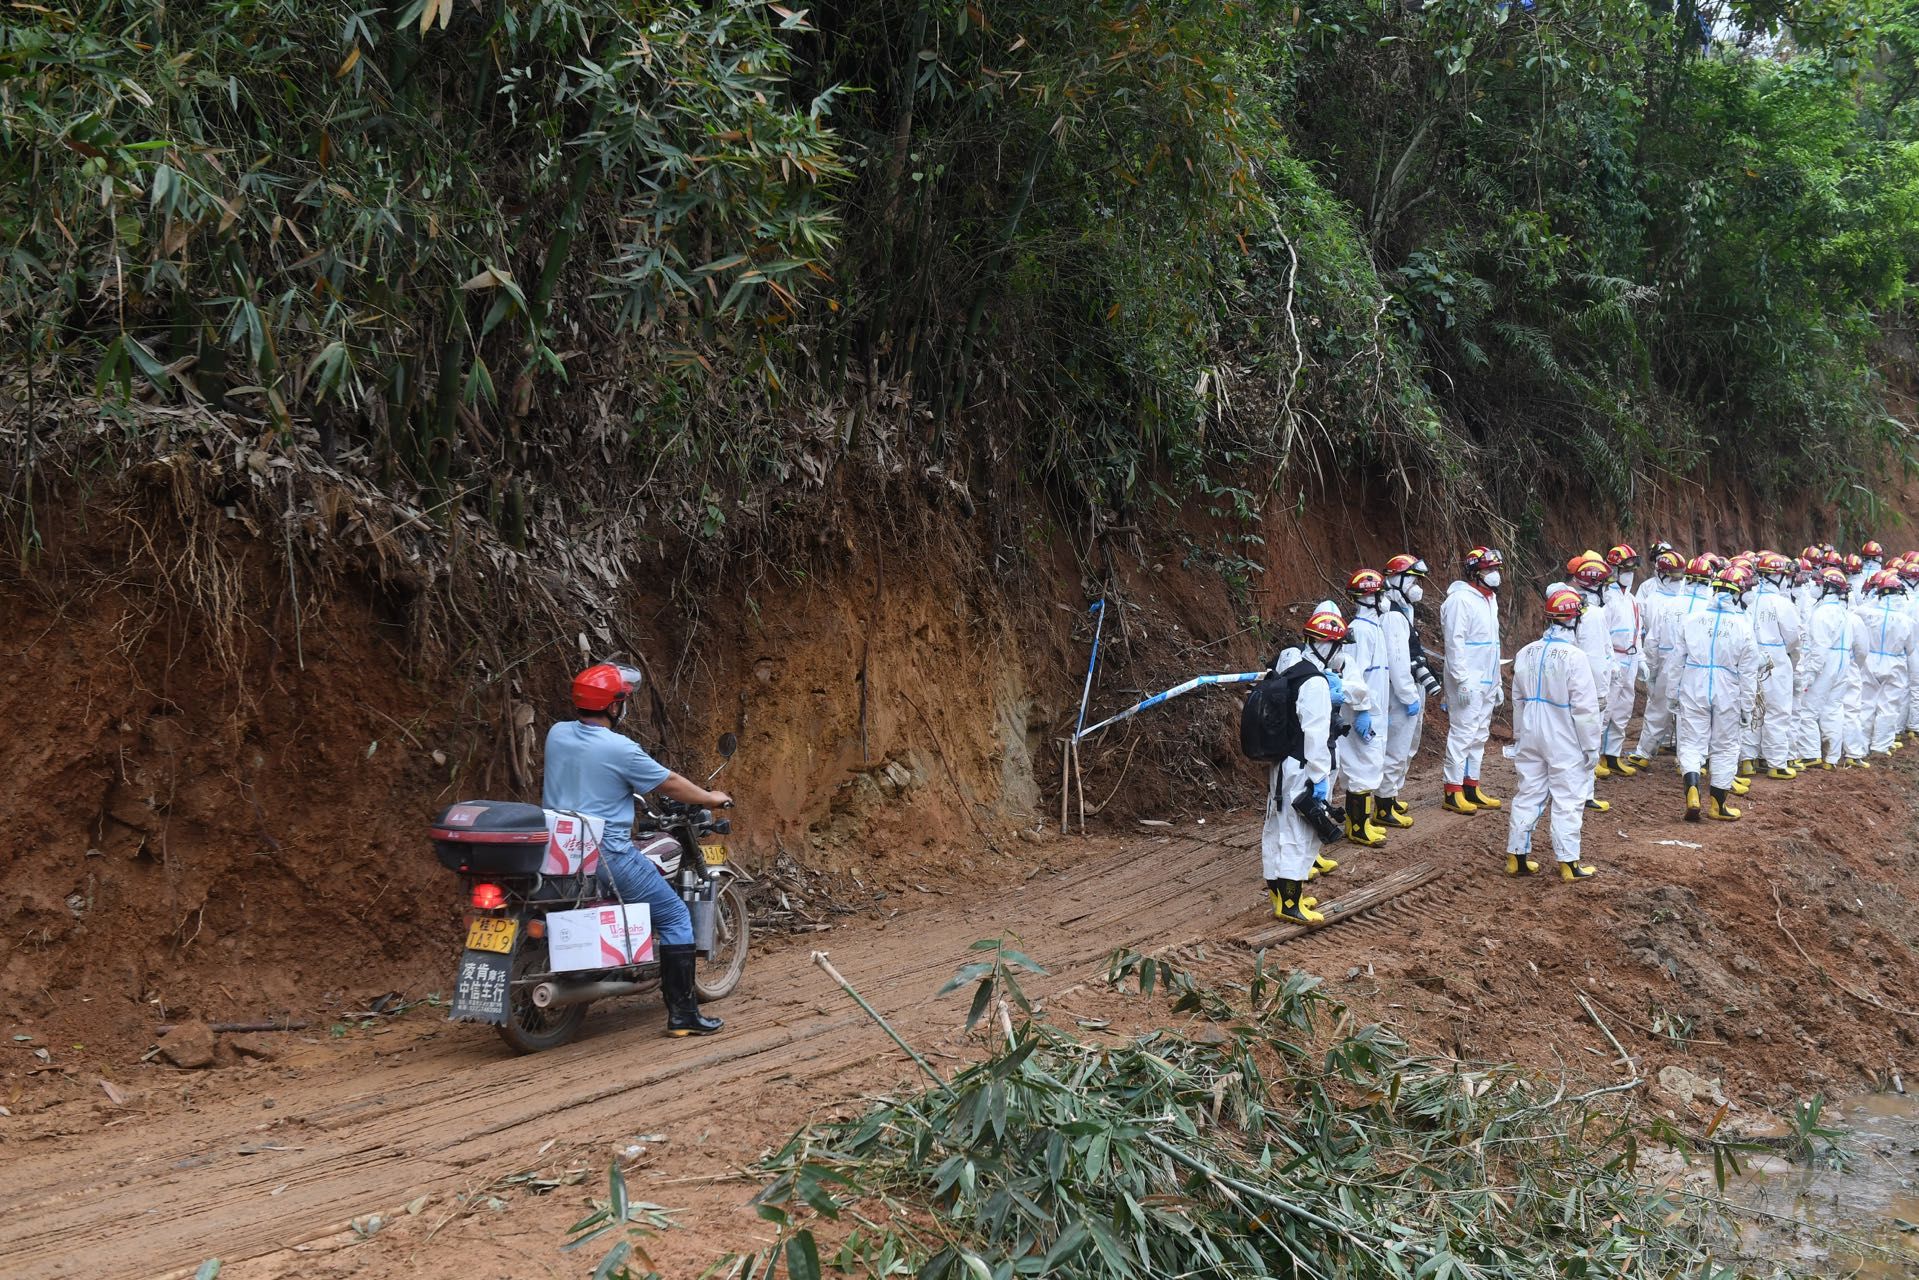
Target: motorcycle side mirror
<point>729,743</point>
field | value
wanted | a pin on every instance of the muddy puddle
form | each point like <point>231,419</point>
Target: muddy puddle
<point>1852,1210</point>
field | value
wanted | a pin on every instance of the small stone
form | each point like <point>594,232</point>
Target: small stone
<point>190,1045</point>
<point>268,1104</point>
<point>253,1046</point>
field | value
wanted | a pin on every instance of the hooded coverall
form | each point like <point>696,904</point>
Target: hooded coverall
<point>1594,643</point>
<point>1661,612</point>
<point>1625,629</point>
<point>1830,676</point>
<point>1556,727</point>
<point>1287,843</point>
<point>1776,630</point>
<point>1402,728</point>
<point>1362,762</point>
<point>1718,678</point>
<point>1886,687</point>
<point>1469,621</point>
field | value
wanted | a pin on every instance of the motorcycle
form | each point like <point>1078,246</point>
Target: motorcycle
<point>539,908</point>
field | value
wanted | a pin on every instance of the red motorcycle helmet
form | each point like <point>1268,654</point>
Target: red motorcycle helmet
<point>603,686</point>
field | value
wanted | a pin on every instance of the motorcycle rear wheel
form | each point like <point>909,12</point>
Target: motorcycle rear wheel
<point>528,1028</point>
<point>716,979</point>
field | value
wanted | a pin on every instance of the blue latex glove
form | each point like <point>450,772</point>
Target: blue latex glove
<point>1412,708</point>
<point>1322,789</point>
<point>1363,725</point>
<point>1337,686</point>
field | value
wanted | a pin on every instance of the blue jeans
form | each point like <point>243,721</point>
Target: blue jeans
<point>638,880</point>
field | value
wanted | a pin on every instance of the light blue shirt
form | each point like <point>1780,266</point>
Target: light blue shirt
<point>594,771</point>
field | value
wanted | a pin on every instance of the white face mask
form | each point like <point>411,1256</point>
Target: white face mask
<point>1412,592</point>
<point>1625,580</point>
<point>1491,578</point>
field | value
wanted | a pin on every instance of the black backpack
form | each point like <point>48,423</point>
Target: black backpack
<point>1269,729</point>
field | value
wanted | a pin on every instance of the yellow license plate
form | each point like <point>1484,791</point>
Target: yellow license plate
<point>491,935</point>
<point>715,854</point>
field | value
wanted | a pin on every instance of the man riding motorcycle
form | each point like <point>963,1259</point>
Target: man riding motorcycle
<point>593,770</point>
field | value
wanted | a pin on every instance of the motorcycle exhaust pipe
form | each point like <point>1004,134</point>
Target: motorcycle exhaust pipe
<point>559,995</point>
<point>705,911</point>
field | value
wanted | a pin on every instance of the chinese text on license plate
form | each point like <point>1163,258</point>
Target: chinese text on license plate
<point>491,935</point>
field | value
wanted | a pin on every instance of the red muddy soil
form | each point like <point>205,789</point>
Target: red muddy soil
<point>265,1164</point>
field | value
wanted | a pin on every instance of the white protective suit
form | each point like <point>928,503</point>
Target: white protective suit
<point>1591,637</point>
<point>1718,678</point>
<point>1402,726</point>
<point>1556,727</point>
<point>1886,688</point>
<point>1287,843</point>
<point>1625,630</point>
<point>1772,736</point>
<point>1660,612</point>
<point>1829,676</point>
<point>1469,620</point>
<point>1362,762</point>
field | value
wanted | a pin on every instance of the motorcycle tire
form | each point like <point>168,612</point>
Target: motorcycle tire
<point>717,978</point>
<point>529,1029</point>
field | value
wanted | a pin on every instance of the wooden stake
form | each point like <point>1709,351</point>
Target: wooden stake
<point>1065,779</point>
<point>1079,787</point>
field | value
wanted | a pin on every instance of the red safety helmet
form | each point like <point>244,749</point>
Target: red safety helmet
<point>1479,559</point>
<point>1834,580</point>
<point>1669,561</point>
<point>1909,572</point>
<point>1622,557</point>
<point>1326,625</point>
<point>1700,569</point>
<point>1588,569</point>
<point>1564,605</point>
<point>1832,560</point>
<point>1813,554</point>
<point>1872,550</point>
<point>602,686</point>
<point>1406,563</point>
<point>1732,579</point>
<point>1365,582</point>
<point>1854,564</point>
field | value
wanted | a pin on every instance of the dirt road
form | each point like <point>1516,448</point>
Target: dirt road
<point>254,1162</point>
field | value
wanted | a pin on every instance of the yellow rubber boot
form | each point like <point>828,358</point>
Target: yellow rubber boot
<point>1290,903</point>
<point>1620,767</point>
<point>1782,772</point>
<point>1740,786</point>
<point>1693,809</point>
<point>1521,864</point>
<point>1375,826</point>
<point>1576,871</point>
<point>1596,805</point>
<point>1479,798</point>
<point>1604,768</point>
<point>1388,812</point>
<point>1358,830</point>
<point>1746,769</point>
<point>1717,808</point>
<point>1456,801</point>
<point>1321,865</point>
<point>1639,762</point>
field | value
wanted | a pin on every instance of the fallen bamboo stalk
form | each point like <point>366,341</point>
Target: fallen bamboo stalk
<point>819,958</point>
<point>295,1025</point>
<point>1625,1059</point>
<point>1382,890</point>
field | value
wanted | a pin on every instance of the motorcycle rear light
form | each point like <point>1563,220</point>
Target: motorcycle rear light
<point>488,897</point>
<point>536,928</point>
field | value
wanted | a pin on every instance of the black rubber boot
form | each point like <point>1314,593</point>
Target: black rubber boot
<point>1692,797</point>
<point>683,1016</point>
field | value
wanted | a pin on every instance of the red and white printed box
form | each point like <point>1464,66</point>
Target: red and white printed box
<point>600,937</point>
<point>572,844</point>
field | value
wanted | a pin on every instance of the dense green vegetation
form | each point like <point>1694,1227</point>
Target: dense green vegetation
<point>1112,249</point>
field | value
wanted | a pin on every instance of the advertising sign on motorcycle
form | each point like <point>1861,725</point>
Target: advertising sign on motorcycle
<point>604,937</point>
